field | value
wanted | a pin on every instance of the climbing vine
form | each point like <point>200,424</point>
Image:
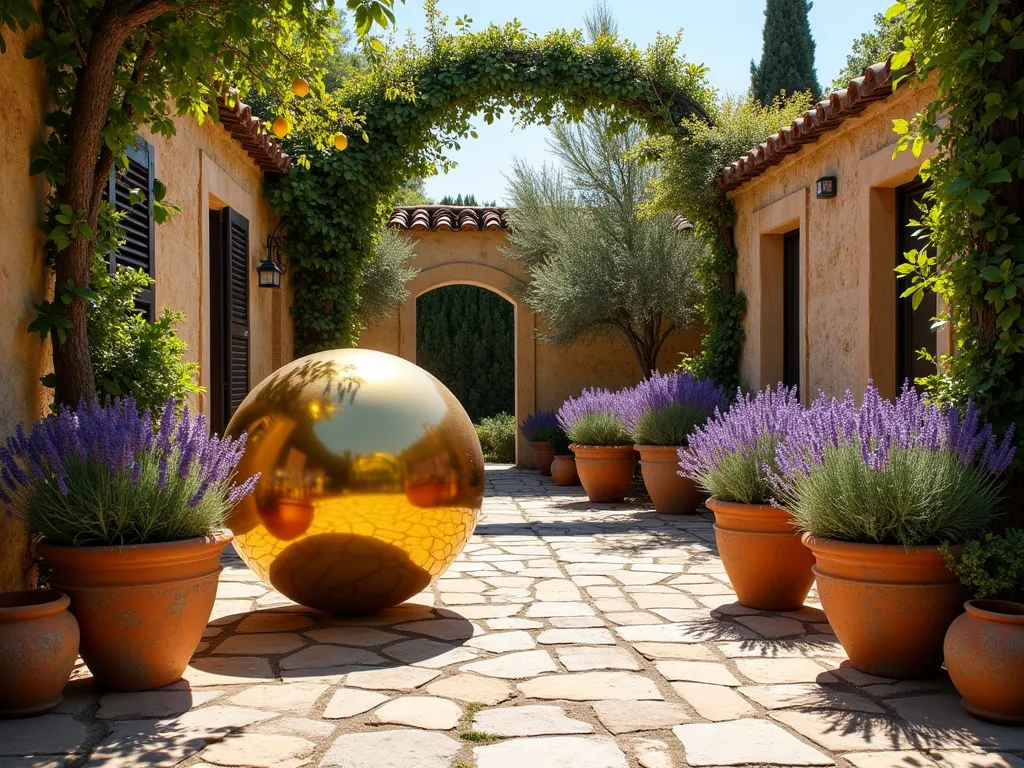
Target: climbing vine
<point>974,49</point>
<point>418,102</point>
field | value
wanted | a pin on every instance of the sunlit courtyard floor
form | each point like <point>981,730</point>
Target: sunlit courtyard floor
<point>567,635</point>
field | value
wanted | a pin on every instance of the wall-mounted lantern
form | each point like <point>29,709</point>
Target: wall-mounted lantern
<point>827,186</point>
<point>271,269</point>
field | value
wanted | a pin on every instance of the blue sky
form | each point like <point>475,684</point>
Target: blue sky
<point>722,34</point>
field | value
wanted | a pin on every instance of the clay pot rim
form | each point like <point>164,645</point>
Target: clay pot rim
<point>131,555</point>
<point>627,451</point>
<point>1002,611</point>
<point>669,452</point>
<point>862,551</point>
<point>27,604</point>
<point>739,507</point>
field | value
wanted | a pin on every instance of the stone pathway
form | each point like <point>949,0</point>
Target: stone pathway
<point>568,635</point>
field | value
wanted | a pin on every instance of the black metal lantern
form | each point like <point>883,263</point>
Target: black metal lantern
<point>270,269</point>
<point>827,186</point>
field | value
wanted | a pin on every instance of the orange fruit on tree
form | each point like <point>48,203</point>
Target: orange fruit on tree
<point>340,141</point>
<point>300,87</point>
<point>280,127</point>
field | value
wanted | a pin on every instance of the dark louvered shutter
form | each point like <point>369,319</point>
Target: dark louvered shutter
<point>229,314</point>
<point>137,224</point>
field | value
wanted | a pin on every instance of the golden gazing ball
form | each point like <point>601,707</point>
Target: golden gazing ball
<point>371,480</point>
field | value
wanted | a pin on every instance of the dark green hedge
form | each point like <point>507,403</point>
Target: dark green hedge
<point>465,337</point>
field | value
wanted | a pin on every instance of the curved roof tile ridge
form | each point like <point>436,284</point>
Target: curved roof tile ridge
<point>248,130</point>
<point>449,217</point>
<point>875,84</point>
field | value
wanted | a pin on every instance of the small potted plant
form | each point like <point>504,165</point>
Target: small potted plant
<point>132,517</point>
<point>38,648</point>
<point>984,647</point>
<point>878,488</point>
<point>605,459</point>
<point>660,412</point>
<point>730,458</point>
<point>537,428</point>
<point>563,466</point>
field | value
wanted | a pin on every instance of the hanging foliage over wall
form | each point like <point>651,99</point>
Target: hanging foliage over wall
<point>975,50</point>
<point>465,336</point>
<point>419,102</point>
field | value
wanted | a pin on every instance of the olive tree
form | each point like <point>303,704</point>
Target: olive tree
<point>598,264</point>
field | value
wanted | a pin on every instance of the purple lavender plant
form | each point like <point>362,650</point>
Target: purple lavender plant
<point>904,471</point>
<point>665,408</point>
<point>101,474</point>
<point>593,419</point>
<point>729,457</point>
<point>589,401</point>
<point>537,426</point>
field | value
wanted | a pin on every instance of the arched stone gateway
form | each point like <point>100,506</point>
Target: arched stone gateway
<point>461,245</point>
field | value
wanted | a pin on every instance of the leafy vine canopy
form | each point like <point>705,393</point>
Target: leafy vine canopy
<point>419,101</point>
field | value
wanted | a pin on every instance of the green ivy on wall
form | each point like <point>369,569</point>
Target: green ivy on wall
<point>417,103</point>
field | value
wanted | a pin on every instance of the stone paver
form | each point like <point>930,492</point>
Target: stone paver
<point>577,635</point>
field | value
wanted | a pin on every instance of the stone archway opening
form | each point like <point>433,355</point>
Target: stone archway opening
<point>465,336</point>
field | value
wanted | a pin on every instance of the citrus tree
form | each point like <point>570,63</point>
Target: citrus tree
<point>114,66</point>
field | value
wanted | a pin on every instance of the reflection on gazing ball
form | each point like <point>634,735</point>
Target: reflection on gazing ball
<point>371,480</point>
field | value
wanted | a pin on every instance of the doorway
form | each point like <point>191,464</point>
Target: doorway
<point>791,309</point>
<point>914,330</point>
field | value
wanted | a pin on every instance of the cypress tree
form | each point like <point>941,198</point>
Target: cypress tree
<point>787,59</point>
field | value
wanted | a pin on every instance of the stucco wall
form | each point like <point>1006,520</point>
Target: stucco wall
<point>847,251</point>
<point>202,167</point>
<point>545,375</point>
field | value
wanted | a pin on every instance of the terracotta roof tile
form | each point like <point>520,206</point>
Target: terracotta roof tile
<point>448,217</point>
<point>873,85</point>
<point>248,130</point>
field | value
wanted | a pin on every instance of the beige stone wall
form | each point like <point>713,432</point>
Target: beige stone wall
<point>203,169</point>
<point>545,375</point>
<point>847,252</point>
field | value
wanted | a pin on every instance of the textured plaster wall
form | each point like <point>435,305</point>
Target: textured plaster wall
<point>847,288</point>
<point>545,375</point>
<point>202,166</point>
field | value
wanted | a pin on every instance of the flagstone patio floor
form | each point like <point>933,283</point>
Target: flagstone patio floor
<point>567,635</point>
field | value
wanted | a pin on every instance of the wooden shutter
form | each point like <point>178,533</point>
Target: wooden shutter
<point>137,224</point>
<point>229,314</point>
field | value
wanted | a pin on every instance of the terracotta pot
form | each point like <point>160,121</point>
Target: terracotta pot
<point>767,562</point>
<point>890,606</point>
<point>543,455</point>
<point>671,493</point>
<point>985,658</point>
<point>605,470</point>
<point>563,470</point>
<point>38,648</point>
<point>141,608</point>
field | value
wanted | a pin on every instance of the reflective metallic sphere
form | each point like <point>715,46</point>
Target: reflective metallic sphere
<point>371,480</point>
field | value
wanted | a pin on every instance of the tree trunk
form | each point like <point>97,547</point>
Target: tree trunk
<point>72,362</point>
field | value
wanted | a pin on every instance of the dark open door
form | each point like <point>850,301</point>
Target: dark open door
<point>229,315</point>
<point>913,326</point>
<point>791,309</point>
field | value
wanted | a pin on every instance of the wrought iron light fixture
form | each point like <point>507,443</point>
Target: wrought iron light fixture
<point>271,269</point>
<point>827,186</point>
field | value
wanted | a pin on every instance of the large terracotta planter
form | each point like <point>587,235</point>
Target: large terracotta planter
<point>767,562</point>
<point>606,471</point>
<point>563,470</point>
<point>141,608</point>
<point>890,606</point>
<point>38,648</point>
<point>671,493</point>
<point>543,456</point>
<point>984,650</point>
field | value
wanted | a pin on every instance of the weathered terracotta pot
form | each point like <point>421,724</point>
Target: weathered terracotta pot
<point>605,470</point>
<point>543,456</point>
<point>141,608</point>
<point>890,606</point>
<point>984,650</point>
<point>671,493</point>
<point>38,648</point>
<point>563,470</point>
<point>767,562</point>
